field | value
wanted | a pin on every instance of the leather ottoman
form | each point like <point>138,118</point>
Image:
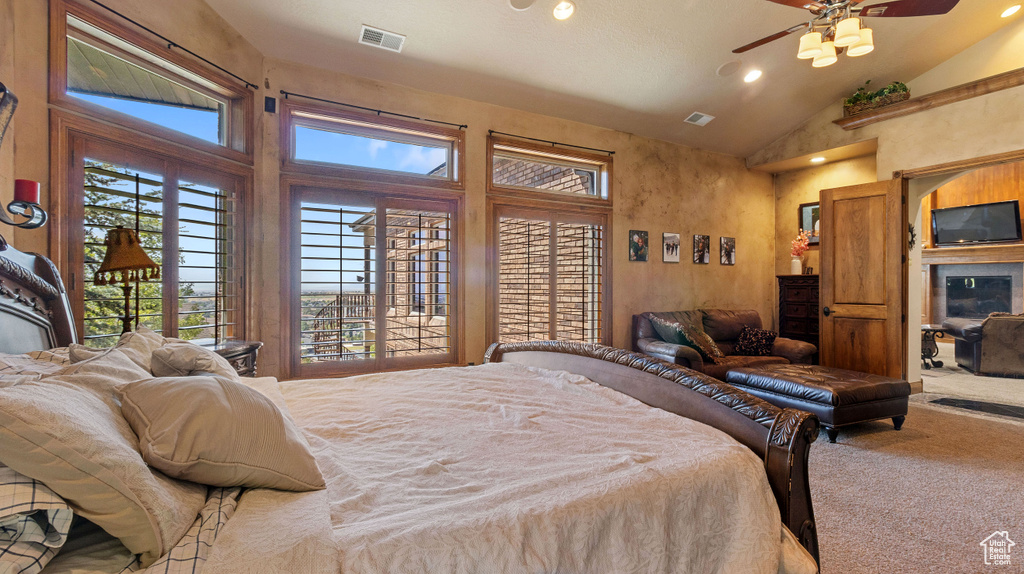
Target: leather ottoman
<point>839,397</point>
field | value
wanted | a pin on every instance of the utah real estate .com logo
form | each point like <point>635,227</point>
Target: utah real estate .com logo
<point>997,548</point>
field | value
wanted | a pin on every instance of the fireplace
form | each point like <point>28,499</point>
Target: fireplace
<point>974,297</point>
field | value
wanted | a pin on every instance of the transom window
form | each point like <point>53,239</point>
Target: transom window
<point>529,169</point>
<point>330,141</point>
<point>123,76</point>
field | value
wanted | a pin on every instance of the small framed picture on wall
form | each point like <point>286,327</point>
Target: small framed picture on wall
<point>702,249</point>
<point>670,247</point>
<point>728,251</point>
<point>809,221</point>
<point>639,246</point>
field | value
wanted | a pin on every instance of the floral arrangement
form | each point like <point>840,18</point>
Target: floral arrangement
<point>801,244</point>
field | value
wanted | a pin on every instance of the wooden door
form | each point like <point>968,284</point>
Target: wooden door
<point>863,278</point>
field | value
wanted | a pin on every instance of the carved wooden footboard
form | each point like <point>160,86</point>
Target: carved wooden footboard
<point>780,437</point>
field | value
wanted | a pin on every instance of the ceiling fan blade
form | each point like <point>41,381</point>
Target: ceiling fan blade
<point>904,8</point>
<point>809,4</point>
<point>768,39</point>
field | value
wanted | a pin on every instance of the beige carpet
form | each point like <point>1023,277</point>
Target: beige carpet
<point>921,499</point>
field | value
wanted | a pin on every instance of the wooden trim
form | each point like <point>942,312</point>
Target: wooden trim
<point>1011,253</point>
<point>71,135</point>
<point>962,165</point>
<point>240,146</point>
<point>1007,80</point>
<point>293,188</point>
<point>555,213</point>
<point>455,181</point>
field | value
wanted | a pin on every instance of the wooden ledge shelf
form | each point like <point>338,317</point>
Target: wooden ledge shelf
<point>1004,81</point>
<point>1012,253</point>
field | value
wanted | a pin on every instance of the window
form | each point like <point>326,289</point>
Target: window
<point>351,242</point>
<point>549,221</point>
<point>550,277</point>
<point>185,225</point>
<point>327,141</point>
<point>115,73</point>
<point>528,169</point>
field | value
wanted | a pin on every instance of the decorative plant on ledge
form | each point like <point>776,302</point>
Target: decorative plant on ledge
<point>864,99</point>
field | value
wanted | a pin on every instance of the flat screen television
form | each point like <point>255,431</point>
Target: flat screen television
<point>983,223</point>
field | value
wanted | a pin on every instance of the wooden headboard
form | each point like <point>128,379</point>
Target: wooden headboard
<point>34,309</point>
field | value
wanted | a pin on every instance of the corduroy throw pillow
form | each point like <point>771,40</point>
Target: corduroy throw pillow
<point>689,335</point>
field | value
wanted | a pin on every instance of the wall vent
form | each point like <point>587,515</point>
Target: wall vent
<point>381,39</point>
<point>699,119</point>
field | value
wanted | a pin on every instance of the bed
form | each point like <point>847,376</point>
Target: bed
<point>547,458</point>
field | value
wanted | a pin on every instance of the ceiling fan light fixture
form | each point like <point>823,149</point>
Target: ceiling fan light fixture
<point>827,57</point>
<point>847,32</point>
<point>810,46</point>
<point>564,9</point>
<point>864,46</point>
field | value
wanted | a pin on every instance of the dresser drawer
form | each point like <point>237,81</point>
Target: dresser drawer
<point>796,293</point>
<point>791,326</point>
<point>796,310</point>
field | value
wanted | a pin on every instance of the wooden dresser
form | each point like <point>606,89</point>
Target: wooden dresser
<point>798,307</point>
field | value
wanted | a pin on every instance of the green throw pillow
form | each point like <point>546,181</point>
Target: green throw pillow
<point>687,334</point>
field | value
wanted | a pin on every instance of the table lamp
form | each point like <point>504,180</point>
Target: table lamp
<point>125,256</point>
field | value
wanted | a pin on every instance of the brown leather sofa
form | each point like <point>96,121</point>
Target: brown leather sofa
<point>990,346</point>
<point>723,326</point>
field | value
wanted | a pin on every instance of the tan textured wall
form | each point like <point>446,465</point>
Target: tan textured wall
<point>6,77</point>
<point>804,186</point>
<point>658,187</point>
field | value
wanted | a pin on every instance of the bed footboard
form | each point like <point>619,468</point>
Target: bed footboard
<point>780,437</point>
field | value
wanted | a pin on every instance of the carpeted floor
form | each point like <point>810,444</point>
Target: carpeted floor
<point>921,499</point>
<point>952,380</point>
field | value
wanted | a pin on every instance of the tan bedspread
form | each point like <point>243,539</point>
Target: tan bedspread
<point>506,469</point>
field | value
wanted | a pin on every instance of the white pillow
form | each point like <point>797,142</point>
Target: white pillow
<point>67,431</point>
<point>137,345</point>
<point>186,359</point>
<point>218,432</point>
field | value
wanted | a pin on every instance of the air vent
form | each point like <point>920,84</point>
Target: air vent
<point>381,39</point>
<point>699,119</point>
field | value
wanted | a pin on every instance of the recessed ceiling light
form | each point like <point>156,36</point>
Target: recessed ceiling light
<point>818,159</point>
<point>564,9</point>
<point>1011,11</point>
<point>752,76</point>
<point>521,4</point>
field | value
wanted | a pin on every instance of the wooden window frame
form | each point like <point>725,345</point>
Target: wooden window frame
<point>296,187</point>
<point>70,134</point>
<point>557,213</point>
<point>290,109</point>
<point>527,149</point>
<point>142,50</point>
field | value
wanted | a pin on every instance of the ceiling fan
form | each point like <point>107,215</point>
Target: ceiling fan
<point>835,24</point>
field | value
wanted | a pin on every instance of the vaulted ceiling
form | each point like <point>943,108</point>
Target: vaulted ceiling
<point>639,67</point>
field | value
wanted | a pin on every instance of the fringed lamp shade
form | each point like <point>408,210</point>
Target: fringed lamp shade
<point>125,256</point>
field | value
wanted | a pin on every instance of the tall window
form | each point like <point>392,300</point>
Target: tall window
<point>350,243</point>
<point>152,140</point>
<point>549,278</point>
<point>187,226</point>
<point>374,258</point>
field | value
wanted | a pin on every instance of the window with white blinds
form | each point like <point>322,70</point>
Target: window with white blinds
<point>186,227</point>
<point>550,277</point>
<point>349,245</point>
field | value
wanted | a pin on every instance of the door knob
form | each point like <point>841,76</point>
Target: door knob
<point>826,311</point>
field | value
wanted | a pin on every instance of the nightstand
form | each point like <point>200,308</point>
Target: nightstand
<point>241,355</point>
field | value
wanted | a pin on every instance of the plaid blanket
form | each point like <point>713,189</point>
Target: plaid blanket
<point>189,555</point>
<point>34,523</point>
